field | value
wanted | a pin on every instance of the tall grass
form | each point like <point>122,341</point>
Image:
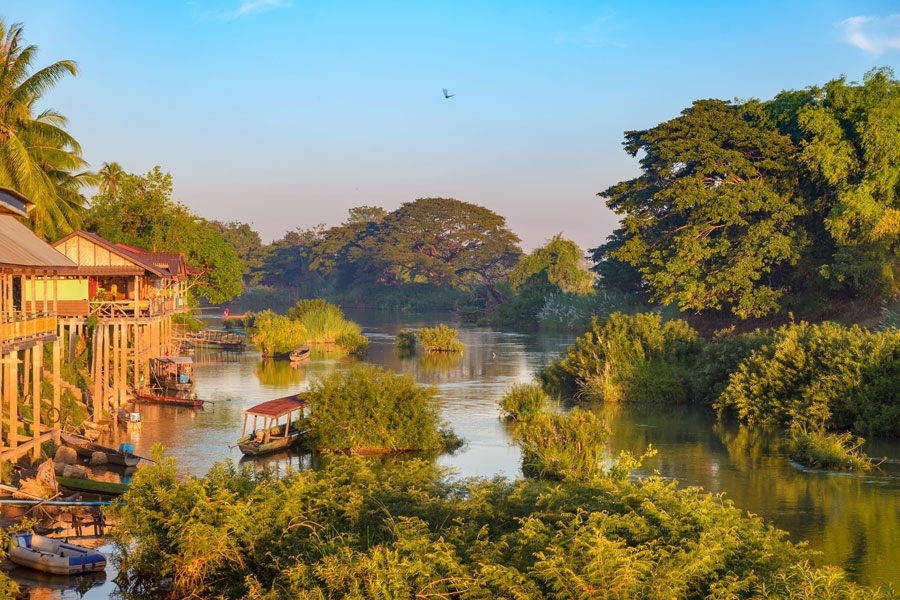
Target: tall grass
<point>523,401</point>
<point>276,334</point>
<point>440,339</point>
<point>325,324</point>
<point>829,450</point>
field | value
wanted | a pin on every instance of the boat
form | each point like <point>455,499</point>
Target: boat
<point>171,376</point>
<point>277,428</point>
<point>51,555</point>
<point>76,484</point>
<point>300,354</point>
<point>86,448</point>
<point>224,339</point>
<point>146,394</point>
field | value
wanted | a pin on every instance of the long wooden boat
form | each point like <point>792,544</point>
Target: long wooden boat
<point>86,448</point>
<point>55,556</point>
<point>277,426</point>
<point>93,486</point>
<point>158,397</point>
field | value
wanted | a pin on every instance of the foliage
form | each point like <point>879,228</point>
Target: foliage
<point>247,246</point>
<point>816,376</point>
<point>139,212</point>
<point>372,409</point>
<point>627,358</point>
<point>324,323</point>
<point>277,334</point>
<point>405,341</point>
<point>440,339</point>
<point>38,158</point>
<point>523,401</point>
<point>762,207</point>
<point>349,530</point>
<point>561,260</point>
<point>817,448</point>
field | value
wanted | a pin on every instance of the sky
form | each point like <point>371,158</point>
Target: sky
<point>284,114</point>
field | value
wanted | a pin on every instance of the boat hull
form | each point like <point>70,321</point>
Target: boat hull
<point>86,448</point>
<point>250,447</point>
<point>92,485</point>
<point>171,400</point>
<point>53,556</point>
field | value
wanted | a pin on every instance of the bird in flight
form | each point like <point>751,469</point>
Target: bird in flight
<point>446,95</point>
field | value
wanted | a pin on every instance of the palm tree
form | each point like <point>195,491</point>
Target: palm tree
<point>110,174</point>
<point>37,157</point>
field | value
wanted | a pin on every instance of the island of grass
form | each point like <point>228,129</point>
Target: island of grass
<point>311,322</point>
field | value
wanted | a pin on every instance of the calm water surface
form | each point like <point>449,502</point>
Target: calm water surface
<point>853,520</point>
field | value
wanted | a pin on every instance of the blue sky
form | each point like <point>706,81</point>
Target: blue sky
<point>286,113</point>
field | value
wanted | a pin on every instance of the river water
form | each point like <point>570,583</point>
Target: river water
<point>852,519</point>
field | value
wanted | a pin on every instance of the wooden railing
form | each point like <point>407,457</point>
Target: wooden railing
<point>127,308</point>
<point>27,325</point>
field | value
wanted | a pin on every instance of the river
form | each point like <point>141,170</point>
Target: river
<point>852,519</point>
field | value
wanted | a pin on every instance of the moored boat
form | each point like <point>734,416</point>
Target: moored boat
<point>55,556</point>
<point>299,354</point>
<point>177,399</point>
<point>171,375</point>
<point>86,448</point>
<point>93,486</point>
<point>277,430</point>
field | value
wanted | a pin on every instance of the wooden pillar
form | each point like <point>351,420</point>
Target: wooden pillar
<point>37,352</point>
<point>12,395</point>
<point>57,366</point>
<point>98,341</point>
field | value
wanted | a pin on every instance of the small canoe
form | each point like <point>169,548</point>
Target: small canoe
<point>300,354</point>
<point>86,448</point>
<point>93,486</point>
<point>55,556</point>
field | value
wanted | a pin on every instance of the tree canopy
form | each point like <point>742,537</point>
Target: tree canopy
<point>743,206</point>
<point>139,212</point>
<point>37,156</point>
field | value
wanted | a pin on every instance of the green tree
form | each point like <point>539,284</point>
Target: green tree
<point>141,213</point>
<point>711,219</point>
<point>445,242</point>
<point>248,247</point>
<point>852,142</point>
<point>37,156</point>
<point>562,260</point>
<point>110,173</point>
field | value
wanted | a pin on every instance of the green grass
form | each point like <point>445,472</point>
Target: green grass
<point>523,401</point>
<point>838,451</point>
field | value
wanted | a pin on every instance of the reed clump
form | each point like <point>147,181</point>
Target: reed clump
<point>325,324</point>
<point>440,339</point>
<point>523,401</point>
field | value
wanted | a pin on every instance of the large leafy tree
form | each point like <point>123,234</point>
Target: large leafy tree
<point>37,156</point>
<point>710,222</point>
<point>141,213</point>
<point>561,260</point>
<point>445,242</point>
<point>851,140</point>
<point>248,246</point>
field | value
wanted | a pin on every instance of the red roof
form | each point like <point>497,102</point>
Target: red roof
<point>280,406</point>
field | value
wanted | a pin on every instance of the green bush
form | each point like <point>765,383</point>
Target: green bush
<point>325,324</point>
<point>634,358</point>
<point>440,339</point>
<point>523,401</point>
<point>353,530</point>
<point>277,334</point>
<point>829,450</point>
<point>405,341</point>
<point>370,409</point>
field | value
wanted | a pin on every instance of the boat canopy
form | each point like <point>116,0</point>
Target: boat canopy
<point>277,407</point>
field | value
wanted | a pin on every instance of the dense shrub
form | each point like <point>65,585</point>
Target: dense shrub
<point>440,339</point>
<point>634,358</point>
<point>406,342</point>
<point>820,376</point>
<point>351,531</point>
<point>523,401</point>
<point>277,334</point>
<point>373,409</point>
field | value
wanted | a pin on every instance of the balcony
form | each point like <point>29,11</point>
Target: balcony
<point>22,330</point>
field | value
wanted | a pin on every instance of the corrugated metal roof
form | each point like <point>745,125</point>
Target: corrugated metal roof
<point>280,406</point>
<point>20,247</point>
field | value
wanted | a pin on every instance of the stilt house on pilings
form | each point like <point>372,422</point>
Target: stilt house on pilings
<point>134,295</point>
<point>31,272</point>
